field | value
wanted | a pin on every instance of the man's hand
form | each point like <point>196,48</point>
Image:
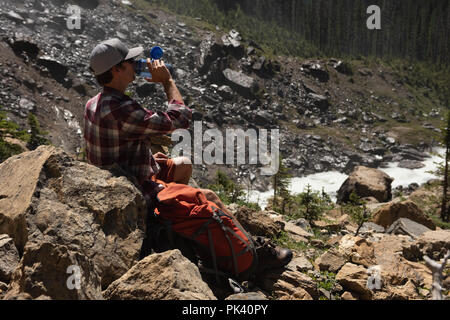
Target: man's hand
<point>160,157</point>
<point>159,71</point>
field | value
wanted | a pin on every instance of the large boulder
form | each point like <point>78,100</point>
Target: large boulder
<point>392,211</point>
<point>398,276</point>
<point>163,276</point>
<point>378,270</point>
<point>53,270</point>
<point>434,244</point>
<point>366,182</point>
<point>353,278</point>
<point>257,223</point>
<point>316,70</point>
<point>318,101</point>
<point>21,44</point>
<point>56,68</point>
<point>241,83</point>
<point>75,209</point>
<point>357,250</point>
<point>332,261</point>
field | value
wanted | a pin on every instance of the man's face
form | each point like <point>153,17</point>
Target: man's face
<point>125,72</point>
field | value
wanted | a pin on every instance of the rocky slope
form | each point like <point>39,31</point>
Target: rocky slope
<point>69,230</point>
<point>331,115</point>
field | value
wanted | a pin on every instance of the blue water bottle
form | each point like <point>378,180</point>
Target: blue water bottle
<point>141,69</point>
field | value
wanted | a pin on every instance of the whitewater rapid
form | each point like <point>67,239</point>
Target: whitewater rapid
<point>331,181</point>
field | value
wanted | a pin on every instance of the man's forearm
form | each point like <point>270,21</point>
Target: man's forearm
<point>172,91</point>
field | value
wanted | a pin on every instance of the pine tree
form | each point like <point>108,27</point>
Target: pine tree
<point>444,206</point>
<point>36,134</point>
<point>281,182</point>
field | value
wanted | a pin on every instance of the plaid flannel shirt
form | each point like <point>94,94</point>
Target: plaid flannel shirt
<point>117,128</point>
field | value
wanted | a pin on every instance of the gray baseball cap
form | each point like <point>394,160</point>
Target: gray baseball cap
<point>109,53</point>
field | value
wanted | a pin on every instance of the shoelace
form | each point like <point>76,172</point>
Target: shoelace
<point>267,244</point>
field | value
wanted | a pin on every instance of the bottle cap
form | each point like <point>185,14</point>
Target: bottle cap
<point>156,53</point>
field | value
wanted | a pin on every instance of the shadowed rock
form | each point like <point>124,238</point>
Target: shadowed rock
<point>162,276</point>
<point>406,209</point>
<point>81,211</point>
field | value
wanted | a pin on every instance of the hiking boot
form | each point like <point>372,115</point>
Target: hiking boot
<point>271,256</point>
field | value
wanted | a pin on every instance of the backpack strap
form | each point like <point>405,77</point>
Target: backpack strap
<point>216,217</point>
<point>213,255</point>
<point>251,244</point>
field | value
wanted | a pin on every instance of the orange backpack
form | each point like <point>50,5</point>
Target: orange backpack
<point>225,243</point>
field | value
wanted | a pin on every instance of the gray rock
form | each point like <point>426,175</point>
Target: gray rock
<point>319,101</point>
<point>225,92</point>
<point>303,223</point>
<point>27,105</point>
<point>15,16</point>
<point>343,67</point>
<point>300,263</point>
<point>316,70</point>
<point>410,164</point>
<point>370,226</point>
<point>390,140</point>
<point>9,257</point>
<point>232,44</point>
<point>57,69</point>
<point>241,83</point>
<point>257,66</point>
<point>327,294</point>
<point>262,118</point>
<point>408,227</point>
<point>365,72</point>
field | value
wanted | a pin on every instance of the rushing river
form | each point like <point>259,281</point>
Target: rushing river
<point>331,181</point>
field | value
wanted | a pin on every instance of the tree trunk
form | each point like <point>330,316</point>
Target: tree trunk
<point>444,213</point>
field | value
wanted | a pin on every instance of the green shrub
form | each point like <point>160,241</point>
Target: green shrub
<point>230,192</point>
<point>281,195</point>
<point>11,129</point>
<point>357,210</point>
<point>310,205</point>
<point>36,135</point>
<point>8,150</point>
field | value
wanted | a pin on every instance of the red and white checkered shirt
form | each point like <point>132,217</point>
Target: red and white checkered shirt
<point>117,128</point>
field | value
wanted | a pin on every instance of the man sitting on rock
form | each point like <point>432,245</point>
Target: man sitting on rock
<point>117,130</point>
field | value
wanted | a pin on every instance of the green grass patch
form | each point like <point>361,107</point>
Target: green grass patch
<point>285,241</point>
<point>10,129</point>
